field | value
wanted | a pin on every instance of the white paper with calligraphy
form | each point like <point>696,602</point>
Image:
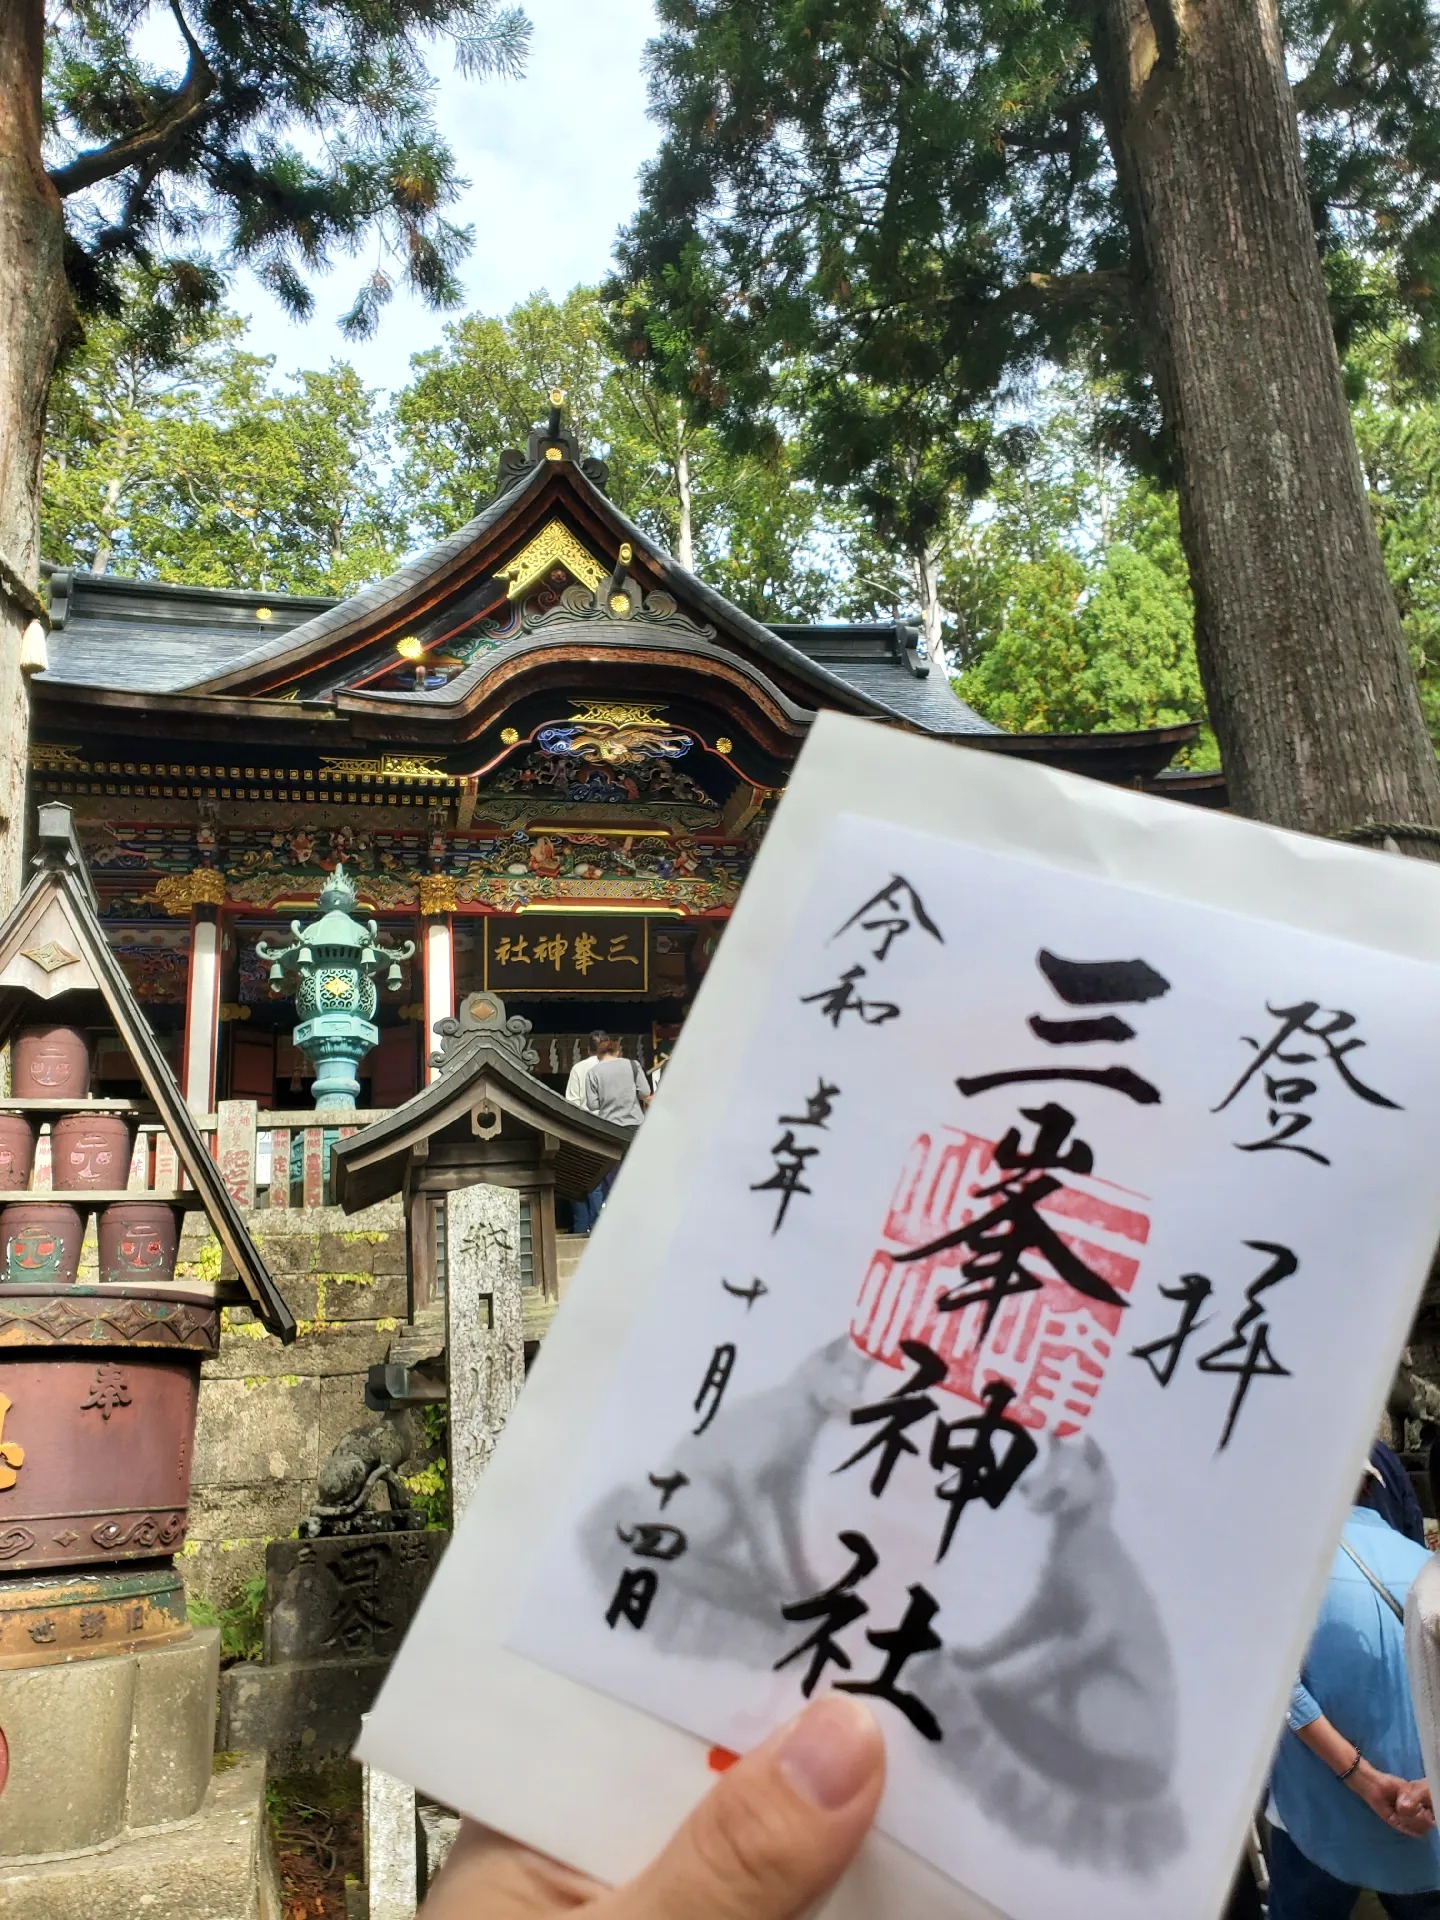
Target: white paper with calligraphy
<point>1013,1340</point>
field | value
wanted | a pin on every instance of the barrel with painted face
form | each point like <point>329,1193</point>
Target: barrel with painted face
<point>40,1243</point>
<point>137,1241</point>
<point>17,1150</point>
<point>91,1151</point>
<point>51,1063</point>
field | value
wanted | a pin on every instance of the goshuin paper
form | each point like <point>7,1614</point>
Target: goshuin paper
<point>1008,1350</point>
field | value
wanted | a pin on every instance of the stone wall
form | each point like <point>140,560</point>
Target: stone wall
<point>270,1414</point>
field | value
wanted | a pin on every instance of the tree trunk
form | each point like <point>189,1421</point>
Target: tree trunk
<point>1305,666</point>
<point>685,530</point>
<point>927,582</point>
<point>35,319</point>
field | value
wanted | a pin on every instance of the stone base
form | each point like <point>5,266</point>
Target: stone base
<point>99,1746</point>
<point>48,1621</point>
<point>302,1713</point>
<point>216,1866</point>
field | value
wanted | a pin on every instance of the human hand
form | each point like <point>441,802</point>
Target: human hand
<point>1393,1800</point>
<point>1413,1803</point>
<point>773,1835</point>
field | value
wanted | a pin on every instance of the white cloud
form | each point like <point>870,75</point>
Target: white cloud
<point>552,162</point>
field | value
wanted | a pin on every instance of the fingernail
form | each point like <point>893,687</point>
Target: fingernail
<point>831,1752</point>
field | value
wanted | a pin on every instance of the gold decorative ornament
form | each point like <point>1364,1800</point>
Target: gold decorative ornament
<point>179,892</point>
<point>627,553</point>
<point>554,543</point>
<point>412,1010</point>
<point>619,603</point>
<point>554,453</point>
<point>724,745</point>
<point>264,613</point>
<point>232,1010</point>
<point>509,735</point>
<point>12,1454</point>
<point>51,957</point>
<point>387,766</point>
<point>597,713</point>
<point>410,648</point>
<point>48,758</point>
<point>437,893</point>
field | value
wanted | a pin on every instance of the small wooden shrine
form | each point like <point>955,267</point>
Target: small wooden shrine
<point>486,1120</point>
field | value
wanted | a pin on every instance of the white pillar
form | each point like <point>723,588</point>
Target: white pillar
<point>391,1865</point>
<point>484,1327</point>
<point>202,1010</point>
<point>439,981</point>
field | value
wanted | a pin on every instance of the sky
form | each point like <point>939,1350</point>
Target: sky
<point>552,162</point>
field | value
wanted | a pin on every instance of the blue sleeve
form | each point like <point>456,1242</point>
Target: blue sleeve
<point>1304,1708</point>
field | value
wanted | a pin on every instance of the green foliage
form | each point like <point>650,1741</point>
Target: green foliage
<point>484,390</point>
<point>1073,592</point>
<point>909,209</point>
<point>429,1487</point>
<point>748,518</point>
<point>181,461</point>
<point>279,134</point>
<point>242,1624</point>
<point>1398,432</point>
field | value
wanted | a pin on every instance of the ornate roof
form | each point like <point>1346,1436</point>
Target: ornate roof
<point>549,512</point>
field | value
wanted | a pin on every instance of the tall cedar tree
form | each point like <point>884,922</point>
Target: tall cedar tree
<point>295,131</point>
<point>942,196</point>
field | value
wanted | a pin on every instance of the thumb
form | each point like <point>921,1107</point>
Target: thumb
<point>777,1831</point>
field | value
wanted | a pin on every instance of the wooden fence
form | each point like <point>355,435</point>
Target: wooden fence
<point>274,1159</point>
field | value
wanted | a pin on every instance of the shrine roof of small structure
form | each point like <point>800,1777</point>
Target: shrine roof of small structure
<point>441,1131</point>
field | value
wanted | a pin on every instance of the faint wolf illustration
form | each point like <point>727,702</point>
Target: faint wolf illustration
<point>1064,1724</point>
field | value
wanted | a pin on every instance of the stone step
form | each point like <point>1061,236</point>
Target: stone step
<point>420,1339</point>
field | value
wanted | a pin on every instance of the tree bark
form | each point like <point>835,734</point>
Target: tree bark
<point>685,529</point>
<point>927,584</point>
<point>1305,665</point>
<point>35,320</point>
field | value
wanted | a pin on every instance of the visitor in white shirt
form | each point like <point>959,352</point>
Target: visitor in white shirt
<point>580,1072</point>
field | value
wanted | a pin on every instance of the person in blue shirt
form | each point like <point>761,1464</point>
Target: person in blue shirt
<point>1349,1806</point>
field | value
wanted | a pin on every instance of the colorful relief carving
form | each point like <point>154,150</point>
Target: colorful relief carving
<point>629,744</point>
<point>584,781</point>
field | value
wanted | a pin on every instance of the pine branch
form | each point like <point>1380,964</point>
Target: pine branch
<point>182,109</point>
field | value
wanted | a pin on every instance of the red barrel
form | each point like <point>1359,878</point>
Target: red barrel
<point>137,1241</point>
<point>40,1243</point>
<point>91,1150</point>
<point>98,1392</point>
<point>17,1150</point>
<point>50,1063</point>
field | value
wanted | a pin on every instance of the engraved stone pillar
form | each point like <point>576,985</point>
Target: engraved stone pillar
<point>484,1327</point>
<point>236,1151</point>
<point>391,1866</point>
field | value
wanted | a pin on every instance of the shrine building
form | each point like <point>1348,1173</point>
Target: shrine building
<point>544,752</point>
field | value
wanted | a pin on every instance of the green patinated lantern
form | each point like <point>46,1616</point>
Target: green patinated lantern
<point>337,958</point>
